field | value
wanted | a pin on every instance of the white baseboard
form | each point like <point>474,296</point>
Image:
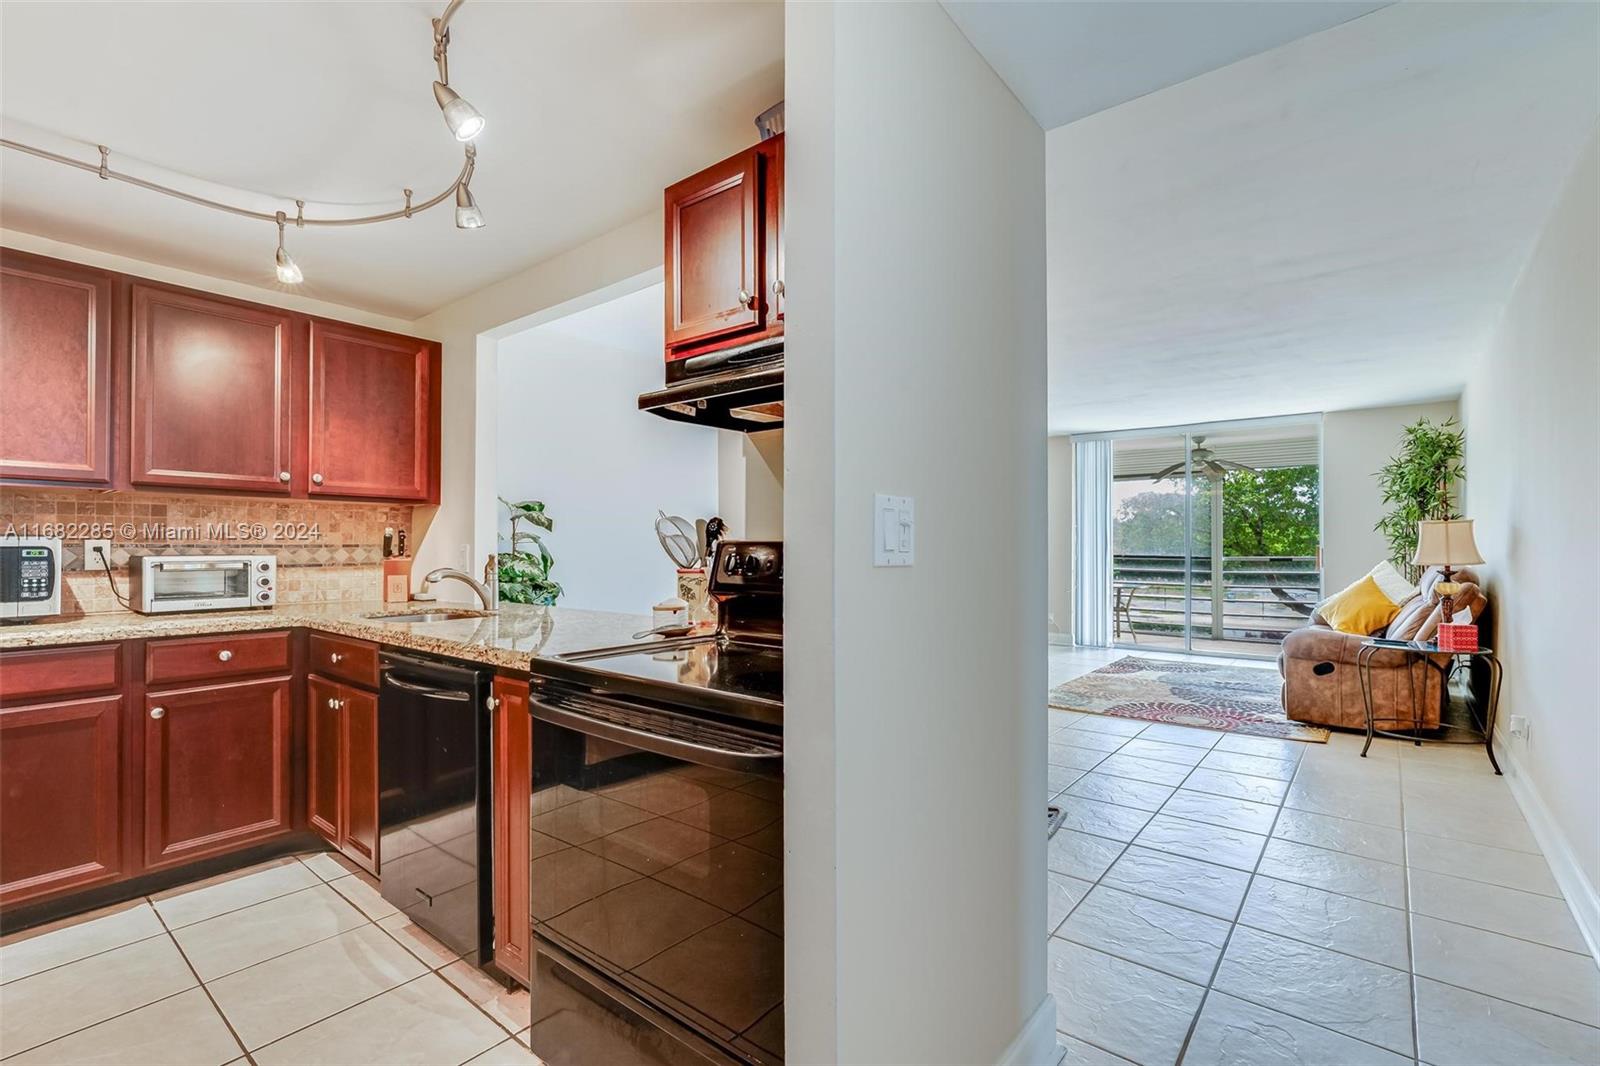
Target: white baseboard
<point>1061,640</point>
<point>1582,899</point>
<point>1035,1044</point>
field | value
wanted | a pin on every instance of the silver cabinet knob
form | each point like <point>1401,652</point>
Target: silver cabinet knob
<point>158,712</point>
<point>490,703</point>
<point>283,476</point>
<point>334,704</point>
<point>777,286</point>
<point>335,658</point>
<point>224,655</point>
<point>746,298</point>
<point>316,479</point>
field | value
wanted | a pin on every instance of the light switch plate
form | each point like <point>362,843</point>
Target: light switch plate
<point>894,530</point>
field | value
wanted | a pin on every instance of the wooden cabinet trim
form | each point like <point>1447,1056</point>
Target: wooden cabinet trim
<point>512,789</point>
<point>94,466</point>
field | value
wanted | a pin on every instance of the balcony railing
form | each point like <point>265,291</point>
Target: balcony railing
<point>1263,597</point>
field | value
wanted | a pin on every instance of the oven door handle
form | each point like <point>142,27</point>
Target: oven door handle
<point>749,762</point>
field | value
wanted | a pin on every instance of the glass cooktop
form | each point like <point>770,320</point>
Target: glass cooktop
<point>746,671</point>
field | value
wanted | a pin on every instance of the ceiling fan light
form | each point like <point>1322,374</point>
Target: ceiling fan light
<point>464,120</point>
<point>288,270</point>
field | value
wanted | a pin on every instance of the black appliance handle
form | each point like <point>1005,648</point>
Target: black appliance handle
<point>559,713</point>
<point>427,690</point>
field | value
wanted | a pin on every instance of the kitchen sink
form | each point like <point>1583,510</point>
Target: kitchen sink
<point>410,617</point>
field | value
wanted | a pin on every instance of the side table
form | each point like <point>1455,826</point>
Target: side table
<point>1428,652</point>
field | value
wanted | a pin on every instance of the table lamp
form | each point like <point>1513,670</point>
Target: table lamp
<point>1446,543</point>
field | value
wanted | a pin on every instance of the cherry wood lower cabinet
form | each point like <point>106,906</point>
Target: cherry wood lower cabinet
<point>61,786</point>
<point>513,787</point>
<point>217,769</point>
<point>342,768</point>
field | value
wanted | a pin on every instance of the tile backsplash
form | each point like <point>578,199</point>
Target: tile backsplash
<point>327,550</point>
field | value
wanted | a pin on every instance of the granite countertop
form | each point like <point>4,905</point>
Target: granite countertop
<point>513,639</point>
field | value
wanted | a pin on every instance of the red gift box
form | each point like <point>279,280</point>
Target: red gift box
<point>1455,637</point>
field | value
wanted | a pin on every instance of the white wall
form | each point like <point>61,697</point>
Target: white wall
<point>915,722</point>
<point>613,264</point>
<point>1058,495</point>
<point>1355,445</point>
<point>1532,447</point>
<point>570,433</point>
<point>750,484</point>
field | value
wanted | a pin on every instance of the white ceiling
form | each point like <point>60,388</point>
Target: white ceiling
<point>592,108</point>
<point>1334,223</point>
<point>1065,59</point>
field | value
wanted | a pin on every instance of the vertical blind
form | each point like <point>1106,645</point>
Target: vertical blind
<point>1092,546</point>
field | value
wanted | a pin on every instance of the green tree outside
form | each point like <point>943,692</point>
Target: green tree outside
<point>1264,512</point>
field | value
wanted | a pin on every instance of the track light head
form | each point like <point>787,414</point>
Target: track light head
<point>468,214</point>
<point>463,119</point>
<point>288,270</point>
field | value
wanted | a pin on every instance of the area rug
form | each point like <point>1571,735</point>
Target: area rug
<point>1234,699</point>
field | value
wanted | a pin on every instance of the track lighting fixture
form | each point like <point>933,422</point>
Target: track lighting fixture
<point>464,120</point>
<point>288,270</point>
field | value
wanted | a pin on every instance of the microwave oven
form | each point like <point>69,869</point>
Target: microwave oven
<point>160,584</point>
<point>30,578</point>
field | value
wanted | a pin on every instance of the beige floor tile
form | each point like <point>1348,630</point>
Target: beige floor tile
<point>328,866</point>
<point>508,1006</point>
<point>1239,762</point>
<point>1231,1032</point>
<point>76,938</point>
<point>1144,748</point>
<point>1544,978</point>
<point>1481,862</point>
<point>1341,834</point>
<point>418,941</point>
<point>1341,923</point>
<point>1081,1053</point>
<point>1176,941</point>
<point>1198,840</point>
<point>1266,747</point>
<point>1456,1027</point>
<point>367,899</point>
<point>1125,1008</point>
<point>56,1002</point>
<point>507,1053</point>
<point>421,1023</point>
<point>274,998</point>
<point>1125,792</point>
<point>1183,882</point>
<point>1212,809</point>
<point>1101,819</point>
<point>1137,769</point>
<point>1167,733</point>
<point>229,892</point>
<point>1542,919</point>
<point>1061,895</point>
<point>1334,871</point>
<point>244,937</point>
<point>1081,855</point>
<point>1238,786</point>
<point>181,1030</point>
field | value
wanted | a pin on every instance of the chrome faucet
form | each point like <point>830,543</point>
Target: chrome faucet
<point>447,573</point>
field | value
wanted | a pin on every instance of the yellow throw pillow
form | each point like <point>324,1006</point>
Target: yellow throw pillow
<point>1361,609</point>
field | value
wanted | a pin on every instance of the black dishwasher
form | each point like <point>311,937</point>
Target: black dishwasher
<point>433,798</point>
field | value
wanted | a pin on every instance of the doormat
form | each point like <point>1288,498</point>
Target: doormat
<point>1233,699</point>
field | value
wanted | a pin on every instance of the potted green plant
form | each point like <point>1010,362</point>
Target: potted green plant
<point>1418,483</point>
<point>524,569</point>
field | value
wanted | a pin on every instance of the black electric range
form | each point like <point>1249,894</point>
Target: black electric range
<point>656,875</point>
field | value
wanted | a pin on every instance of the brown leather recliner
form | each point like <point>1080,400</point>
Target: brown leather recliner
<point>1321,684</point>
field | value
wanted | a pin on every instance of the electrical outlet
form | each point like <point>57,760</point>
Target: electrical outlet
<point>91,561</point>
<point>1519,727</point>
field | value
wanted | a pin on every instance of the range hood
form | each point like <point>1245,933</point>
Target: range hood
<point>748,399</point>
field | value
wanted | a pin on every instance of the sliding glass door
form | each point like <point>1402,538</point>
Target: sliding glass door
<point>1215,537</point>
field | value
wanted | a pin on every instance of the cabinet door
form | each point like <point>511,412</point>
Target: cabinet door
<point>773,180</point>
<point>211,392</point>
<point>324,759</point>
<point>216,772</point>
<point>513,788</point>
<point>60,797</point>
<point>713,252</point>
<point>360,711</point>
<point>374,414</point>
<point>55,336</point>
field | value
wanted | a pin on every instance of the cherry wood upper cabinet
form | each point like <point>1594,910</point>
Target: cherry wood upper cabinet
<point>773,148</point>
<point>217,769</point>
<point>55,360</point>
<point>61,805</point>
<point>714,252</point>
<point>210,405</point>
<point>374,419</point>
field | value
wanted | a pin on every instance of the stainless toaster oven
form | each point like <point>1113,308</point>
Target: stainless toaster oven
<point>164,583</point>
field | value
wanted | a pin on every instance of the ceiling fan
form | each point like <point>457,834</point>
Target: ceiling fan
<point>1204,463</point>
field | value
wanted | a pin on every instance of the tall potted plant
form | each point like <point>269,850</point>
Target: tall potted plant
<point>1418,483</point>
<point>525,568</point>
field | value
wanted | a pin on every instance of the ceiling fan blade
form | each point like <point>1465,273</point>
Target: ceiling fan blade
<point>1162,475</point>
<point>1229,464</point>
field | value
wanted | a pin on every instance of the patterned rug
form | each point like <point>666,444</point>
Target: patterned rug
<point>1234,699</point>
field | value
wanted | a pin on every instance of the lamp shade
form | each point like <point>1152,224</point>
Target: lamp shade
<point>1446,543</point>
